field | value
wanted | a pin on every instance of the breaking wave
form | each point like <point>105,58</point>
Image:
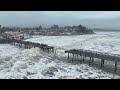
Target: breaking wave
<point>35,64</point>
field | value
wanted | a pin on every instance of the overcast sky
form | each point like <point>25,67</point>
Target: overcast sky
<point>92,19</point>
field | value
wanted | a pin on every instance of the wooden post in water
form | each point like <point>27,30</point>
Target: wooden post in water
<point>90,60</point>
<point>83,58</point>
<point>50,50</point>
<point>55,52</point>
<point>68,55</point>
<point>84,54</point>
<point>115,67</point>
<point>73,57</point>
<point>34,45</point>
<point>47,49</point>
<point>77,56</point>
<point>102,63</point>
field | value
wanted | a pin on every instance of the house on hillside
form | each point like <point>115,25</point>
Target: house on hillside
<point>15,35</point>
<point>9,35</point>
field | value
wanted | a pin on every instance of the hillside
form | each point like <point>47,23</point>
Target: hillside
<point>54,30</point>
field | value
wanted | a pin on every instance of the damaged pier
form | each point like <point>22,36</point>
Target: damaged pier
<point>75,53</point>
<point>28,45</point>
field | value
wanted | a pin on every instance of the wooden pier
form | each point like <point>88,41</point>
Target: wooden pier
<point>75,53</point>
<point>28,45</point>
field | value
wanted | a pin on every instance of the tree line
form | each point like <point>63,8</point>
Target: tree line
<point>56,29</point>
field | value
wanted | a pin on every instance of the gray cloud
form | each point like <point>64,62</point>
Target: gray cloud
<point>96,19</point>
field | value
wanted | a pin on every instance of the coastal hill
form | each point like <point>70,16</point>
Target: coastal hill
<point>54,30</point>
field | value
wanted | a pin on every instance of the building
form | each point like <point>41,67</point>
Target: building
<point>15,35</point>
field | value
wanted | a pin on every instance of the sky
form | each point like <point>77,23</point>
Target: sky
<point>90,19</point>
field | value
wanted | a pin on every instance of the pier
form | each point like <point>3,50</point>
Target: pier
<point>73,55</point>
<point>28,45</point>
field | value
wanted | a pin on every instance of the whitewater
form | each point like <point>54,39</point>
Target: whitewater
<point>32,63</point>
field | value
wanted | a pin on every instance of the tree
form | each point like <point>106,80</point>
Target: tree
<point>37,29</point>
<point>55,27</point>
<point>68,27</point>
<point>32,32</point>
<point>74,27</point>
<point>80,26</point>
<point>40,27</point>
